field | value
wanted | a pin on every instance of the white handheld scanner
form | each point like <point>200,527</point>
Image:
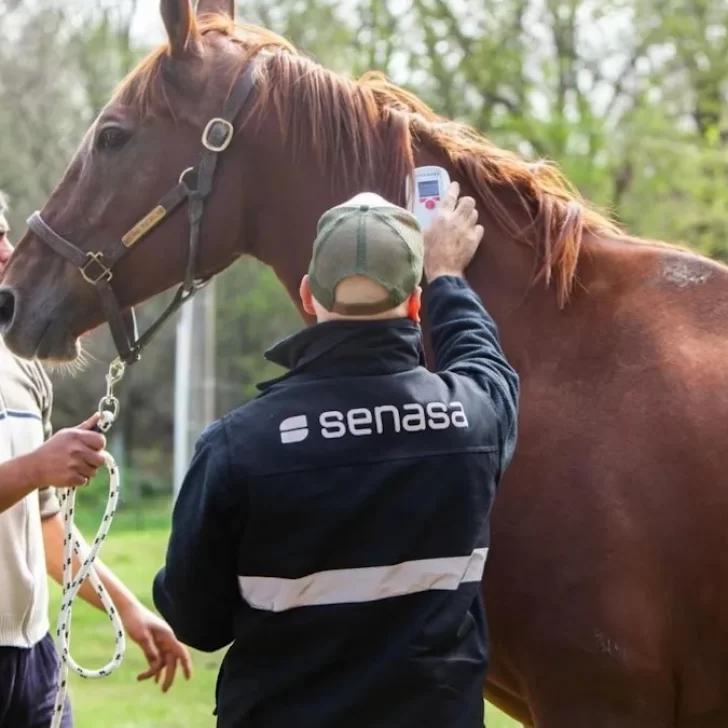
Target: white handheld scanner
<point>424,196</point>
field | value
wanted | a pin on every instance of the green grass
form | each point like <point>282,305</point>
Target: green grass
<point>119,701</point>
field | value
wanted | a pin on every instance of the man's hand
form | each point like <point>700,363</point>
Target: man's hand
<point>453,236</point>
<point>69,458</point>
<point>160,646</point>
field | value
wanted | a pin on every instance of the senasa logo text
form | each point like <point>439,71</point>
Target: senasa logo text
<point>362,421</point>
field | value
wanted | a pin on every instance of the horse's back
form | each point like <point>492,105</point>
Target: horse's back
<point>610,530</point>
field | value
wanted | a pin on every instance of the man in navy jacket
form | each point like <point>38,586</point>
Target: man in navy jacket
<point>334,530</point>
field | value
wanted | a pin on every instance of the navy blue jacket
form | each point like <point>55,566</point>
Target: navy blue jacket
<point>335,528</point>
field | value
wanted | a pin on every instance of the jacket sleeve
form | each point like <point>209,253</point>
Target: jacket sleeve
<point>196,590</point>
<point>465,342</point>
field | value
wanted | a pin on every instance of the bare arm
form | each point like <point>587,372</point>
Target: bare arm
<point>53,533</point>
<point>67,459</point>
<point>17,480</point>
<point>162,650</point>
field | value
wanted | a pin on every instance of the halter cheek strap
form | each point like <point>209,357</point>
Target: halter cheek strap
<point>193,187</point>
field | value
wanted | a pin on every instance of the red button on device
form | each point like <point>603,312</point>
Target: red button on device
<point>430,204</point>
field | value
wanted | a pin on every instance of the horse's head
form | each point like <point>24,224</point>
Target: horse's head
<point>117,223</point>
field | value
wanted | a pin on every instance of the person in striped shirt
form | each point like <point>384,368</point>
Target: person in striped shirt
<point>33,462</point>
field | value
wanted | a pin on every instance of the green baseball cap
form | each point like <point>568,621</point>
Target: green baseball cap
<point>366,236</point>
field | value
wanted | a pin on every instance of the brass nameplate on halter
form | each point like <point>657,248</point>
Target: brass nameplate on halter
<point>144,226</point>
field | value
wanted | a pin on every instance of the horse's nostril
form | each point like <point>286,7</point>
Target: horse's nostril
<point>7,308</point>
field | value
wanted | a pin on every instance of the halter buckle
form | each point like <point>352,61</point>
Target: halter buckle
<point>91,259</point>
<point>225,143</point>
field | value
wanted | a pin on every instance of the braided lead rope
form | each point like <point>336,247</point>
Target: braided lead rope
<point>108,409</point>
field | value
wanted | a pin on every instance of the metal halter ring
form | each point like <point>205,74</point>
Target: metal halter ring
<point>184,173</point>
<point>225,143</point>
<point>108,406</point>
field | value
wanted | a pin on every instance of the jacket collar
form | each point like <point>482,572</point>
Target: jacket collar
<point>349,348</point>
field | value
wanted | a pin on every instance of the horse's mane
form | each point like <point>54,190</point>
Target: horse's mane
<point>366,126</point>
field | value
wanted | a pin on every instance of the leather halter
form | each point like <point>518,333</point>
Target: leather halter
<point>96,267</point>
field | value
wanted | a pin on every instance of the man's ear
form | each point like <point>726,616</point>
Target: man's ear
<point>306,296</point>
<point>226,7</point>
<point>179,21</point>
<point>414,305</point>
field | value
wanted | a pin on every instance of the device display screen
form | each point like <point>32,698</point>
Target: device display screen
<point>428,188</point>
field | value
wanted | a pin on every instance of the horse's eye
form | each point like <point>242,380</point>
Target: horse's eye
<point>113,137</point>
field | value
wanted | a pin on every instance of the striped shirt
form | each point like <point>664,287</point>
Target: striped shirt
<point>25,406</point>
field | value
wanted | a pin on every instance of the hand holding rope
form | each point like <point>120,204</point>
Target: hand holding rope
<point>108,412</point>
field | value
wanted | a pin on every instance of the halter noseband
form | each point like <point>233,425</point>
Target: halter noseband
<point>96,267</point>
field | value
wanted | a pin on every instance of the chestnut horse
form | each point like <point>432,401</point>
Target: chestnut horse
<point>606,594</point>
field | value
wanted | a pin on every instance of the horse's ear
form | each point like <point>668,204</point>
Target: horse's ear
<point>179,20</point>
<point>227,7</point>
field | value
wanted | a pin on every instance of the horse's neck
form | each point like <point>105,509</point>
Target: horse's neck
<point>625,297</point>
<point>528,315</point>
<point>534,331</point>
<point>503,269</point>
<point>533,327</point>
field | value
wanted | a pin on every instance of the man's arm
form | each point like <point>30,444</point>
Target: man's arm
<point>41,461</point>
<point>16,481</point>
<point>67,459</point>
<point>196,590</point>
<point>161,649</point>
<point>465,342</point>
<point>52,523</point>
<point>464,336</point>
<point>53,534</point>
